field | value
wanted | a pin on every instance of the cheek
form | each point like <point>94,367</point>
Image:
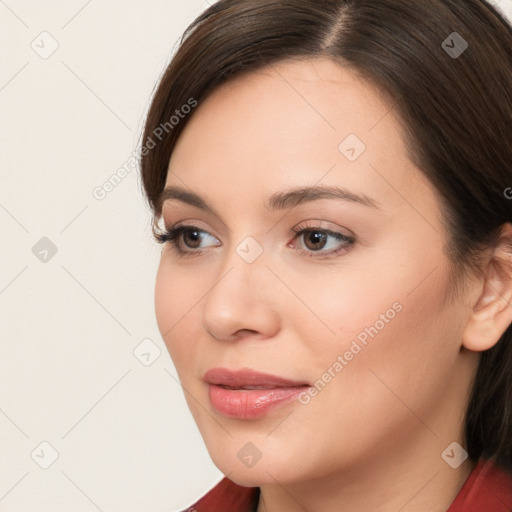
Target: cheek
<point>337,307</point>
<point>382,322</point>
<point>399,350</point>
<point>177,294</point>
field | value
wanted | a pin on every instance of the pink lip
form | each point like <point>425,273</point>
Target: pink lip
<point>239,403</point>
<point>240,378</point>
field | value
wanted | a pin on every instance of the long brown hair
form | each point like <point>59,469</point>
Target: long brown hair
<point>453,94</point>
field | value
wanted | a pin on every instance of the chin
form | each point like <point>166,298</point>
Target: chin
<point>262,473</point>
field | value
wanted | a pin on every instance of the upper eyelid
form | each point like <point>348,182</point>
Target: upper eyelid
<point>312,225</point>
<point>212,217</point>
<point>295,230</point>
<point>192,223</point>
<point>182,227</point>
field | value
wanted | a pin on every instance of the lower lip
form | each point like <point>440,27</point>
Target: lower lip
<point>248,404</point>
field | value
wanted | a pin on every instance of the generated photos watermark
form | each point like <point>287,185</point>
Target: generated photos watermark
<point>355,348</point>
<point>100,192</point>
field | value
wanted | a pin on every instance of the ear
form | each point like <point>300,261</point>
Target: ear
<point>492,312</point>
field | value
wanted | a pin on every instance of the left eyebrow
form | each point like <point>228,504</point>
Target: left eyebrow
<point>279,200</point>
<point>296,196</point>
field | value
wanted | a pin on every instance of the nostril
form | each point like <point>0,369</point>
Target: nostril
<point>244,332</point>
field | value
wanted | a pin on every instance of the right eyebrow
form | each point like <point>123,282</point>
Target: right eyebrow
<point>296,196</point>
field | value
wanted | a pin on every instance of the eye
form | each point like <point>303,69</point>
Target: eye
<point>316,242</point>
<point>320,242</point>
<point>185,239</point>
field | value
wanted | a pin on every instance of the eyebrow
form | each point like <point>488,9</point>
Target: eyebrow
<point>279,200</point>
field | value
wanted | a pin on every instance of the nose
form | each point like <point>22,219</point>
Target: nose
<point>241,302</point>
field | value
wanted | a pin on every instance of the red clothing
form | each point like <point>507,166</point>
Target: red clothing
<point>487,489</point>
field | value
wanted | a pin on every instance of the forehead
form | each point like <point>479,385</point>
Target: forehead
<point>294,123</point>
<point>296,100</point>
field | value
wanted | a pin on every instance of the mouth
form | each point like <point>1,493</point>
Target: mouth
<point>247,394</point>
<point>250,388</point>
<point>248,379</point>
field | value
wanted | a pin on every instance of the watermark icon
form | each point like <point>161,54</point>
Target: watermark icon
<point>455,45</point>
<point>454,455</point>
<point>147,352</point>
<point>355,347</point>
<point>45,45</point>
<point>44,249</point>
<point>44,455</point>
<point>352,147</point>
<point>508,193</point>
<point>249,249</point>
<point>249,454</point>
<point>100,192</point>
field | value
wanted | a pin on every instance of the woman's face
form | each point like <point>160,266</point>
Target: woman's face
<point>364,316</point>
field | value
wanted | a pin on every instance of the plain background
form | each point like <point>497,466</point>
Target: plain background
<point>73,371</point>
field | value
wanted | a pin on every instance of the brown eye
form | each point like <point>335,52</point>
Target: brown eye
<point>185,240</point>
<point>315,240</point>
<point>192,238</point>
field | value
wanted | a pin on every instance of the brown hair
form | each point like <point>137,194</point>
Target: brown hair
<point>455,112</point>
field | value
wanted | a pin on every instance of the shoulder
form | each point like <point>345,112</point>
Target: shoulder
<point>227,495</point>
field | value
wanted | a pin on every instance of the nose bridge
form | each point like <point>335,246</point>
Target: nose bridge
<point>243,268</point>
<point>239,300</point>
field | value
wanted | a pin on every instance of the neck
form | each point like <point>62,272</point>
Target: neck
<point>381,484</point>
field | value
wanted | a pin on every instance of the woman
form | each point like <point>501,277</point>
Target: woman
<point>331,183</point>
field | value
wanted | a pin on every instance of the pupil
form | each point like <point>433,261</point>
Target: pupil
<point>315,237</point>
<point>194,235</point>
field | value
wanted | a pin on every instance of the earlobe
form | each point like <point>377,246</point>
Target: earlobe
<point>492,312</point>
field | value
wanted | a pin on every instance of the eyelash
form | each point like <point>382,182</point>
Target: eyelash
<point>171,236</point>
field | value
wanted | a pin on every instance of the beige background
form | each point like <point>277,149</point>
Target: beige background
<point>73,373</point>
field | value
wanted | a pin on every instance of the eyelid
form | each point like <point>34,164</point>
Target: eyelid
<point>190,223</point>
<point>322,225</point>
<point>183,214</point>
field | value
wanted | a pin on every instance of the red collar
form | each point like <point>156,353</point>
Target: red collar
<point>488,488</point>
<point>227,496</point>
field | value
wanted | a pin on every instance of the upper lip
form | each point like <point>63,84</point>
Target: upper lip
<point>246,377</point>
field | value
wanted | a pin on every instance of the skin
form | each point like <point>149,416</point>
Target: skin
<point>372,438</point>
